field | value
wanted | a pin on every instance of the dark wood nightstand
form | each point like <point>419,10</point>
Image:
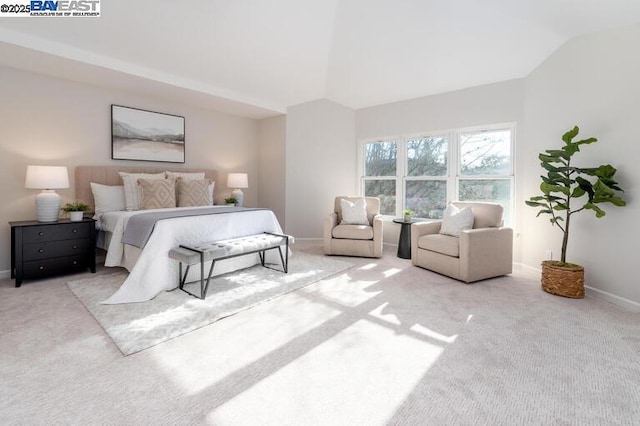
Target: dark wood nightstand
<point>40,250</point>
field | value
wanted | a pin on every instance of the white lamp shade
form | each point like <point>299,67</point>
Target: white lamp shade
<point>47,177</point>
<point>237,180</point>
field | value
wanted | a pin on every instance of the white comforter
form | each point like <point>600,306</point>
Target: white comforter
<point>154,272</point>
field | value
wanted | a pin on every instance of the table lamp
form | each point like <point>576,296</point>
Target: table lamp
<point>47,178</point>
<point>238,181</point>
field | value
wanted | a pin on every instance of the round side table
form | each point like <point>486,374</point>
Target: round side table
<point>404,244</point>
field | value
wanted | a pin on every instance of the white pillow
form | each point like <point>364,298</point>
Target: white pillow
<point>354,213</point>
<point>132,192</point>
<point>454,220</point>
<point>107,198</point>
<point>194,176</point>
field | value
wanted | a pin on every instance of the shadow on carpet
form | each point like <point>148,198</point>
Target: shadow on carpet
<point>137,326</point>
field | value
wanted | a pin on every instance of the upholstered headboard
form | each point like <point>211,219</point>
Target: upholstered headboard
<point>108,175</point>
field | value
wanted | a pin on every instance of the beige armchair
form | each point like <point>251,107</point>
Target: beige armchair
<point>482,252</point>
<point>354,240</point>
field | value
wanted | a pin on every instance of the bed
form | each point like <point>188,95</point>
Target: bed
<point>150,270</point>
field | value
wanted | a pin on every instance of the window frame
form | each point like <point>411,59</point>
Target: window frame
<point>453,176</point>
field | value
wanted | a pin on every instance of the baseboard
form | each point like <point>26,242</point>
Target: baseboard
<point>591,291</point>
<point>612,298</point>
<point>322,239</point>
<point>5,274</point>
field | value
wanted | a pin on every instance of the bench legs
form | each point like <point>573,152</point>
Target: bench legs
<point>204,284</point>
<point>283,259</point>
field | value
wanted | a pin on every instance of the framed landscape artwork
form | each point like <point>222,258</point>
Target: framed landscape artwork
<point>142,135</point>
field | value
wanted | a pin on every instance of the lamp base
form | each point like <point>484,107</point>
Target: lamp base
<point>239,196</point>
<point>47,206</point>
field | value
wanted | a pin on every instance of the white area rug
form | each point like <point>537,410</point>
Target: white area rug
<point>137,326</point>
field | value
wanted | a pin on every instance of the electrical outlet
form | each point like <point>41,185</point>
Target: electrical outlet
<point>548,254</point>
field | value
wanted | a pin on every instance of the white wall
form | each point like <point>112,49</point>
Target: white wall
<point>51,121</point>
<point>591,81</point>
<point>272,134</point>
<point>320,163</point>
<point>489,104</point>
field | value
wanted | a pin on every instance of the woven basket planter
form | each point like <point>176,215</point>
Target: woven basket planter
<point>563,280</point>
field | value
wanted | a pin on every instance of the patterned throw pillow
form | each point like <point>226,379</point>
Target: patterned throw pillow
<point>194,176</point>
<point>132,194</point>
<point>454,220</point>
<point>193,192</point>
<point>157,193</point>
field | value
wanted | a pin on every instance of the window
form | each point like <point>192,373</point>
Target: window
<point>423,173</point>
<point>380,165</point>
<point>485,168</point>
<point>425,185</point>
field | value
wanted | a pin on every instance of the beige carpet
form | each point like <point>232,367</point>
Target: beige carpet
<point>137,326</point>
<point>380,343</point>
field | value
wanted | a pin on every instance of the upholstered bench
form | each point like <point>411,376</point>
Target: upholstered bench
<point>201,253</point>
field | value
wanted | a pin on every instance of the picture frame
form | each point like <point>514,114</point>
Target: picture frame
<point>141,135</point>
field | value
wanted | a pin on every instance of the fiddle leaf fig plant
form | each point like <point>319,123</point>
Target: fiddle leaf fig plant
<point>565,186</point>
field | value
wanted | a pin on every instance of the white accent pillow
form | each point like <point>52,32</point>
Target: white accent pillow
<point>132,192</point>
<point>194,176</point>
<point>354,213</point>
<point>454,220</point>
<point>107,198</point>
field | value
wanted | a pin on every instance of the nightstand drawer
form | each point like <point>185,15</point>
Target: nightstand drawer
<point>40,250</point>
<point>36,251</point>
<point>54,266</point>
<point>67,231</point>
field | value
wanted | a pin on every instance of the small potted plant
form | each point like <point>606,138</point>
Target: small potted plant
<point>567,190</point>
<point>231,201</point>
<point>75,210</point>
<point>407,215</point>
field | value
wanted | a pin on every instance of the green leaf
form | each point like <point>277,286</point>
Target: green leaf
<point>568,137</point>
<point>571,148</point>
<point>586,141</point>
<point>549,167</point>
<point>561,206</point>
<point>599,212</point>
<point>585,185</point>
<point>606,171</point>
<point>543,212</point>
<point>550,159</point>
<point>535,204</point>
<point>547,188</point>
<point>558,153</point>
<point>577,192</point>
<point>589,171</point>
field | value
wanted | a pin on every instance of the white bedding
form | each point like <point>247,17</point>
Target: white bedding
<point>153,272</point>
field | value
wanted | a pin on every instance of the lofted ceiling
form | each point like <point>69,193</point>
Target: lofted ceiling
<point>255,58</point>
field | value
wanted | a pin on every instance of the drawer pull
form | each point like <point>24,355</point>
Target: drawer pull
<point>41,268</point>
<point>41,233</point>
<point>74,230</point>
<point>75,246</point>
<point>40,251</point>
<point>75,262</point>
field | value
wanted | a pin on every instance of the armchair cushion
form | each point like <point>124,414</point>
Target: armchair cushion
<point>353,232</point>
<point>439,243</point>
